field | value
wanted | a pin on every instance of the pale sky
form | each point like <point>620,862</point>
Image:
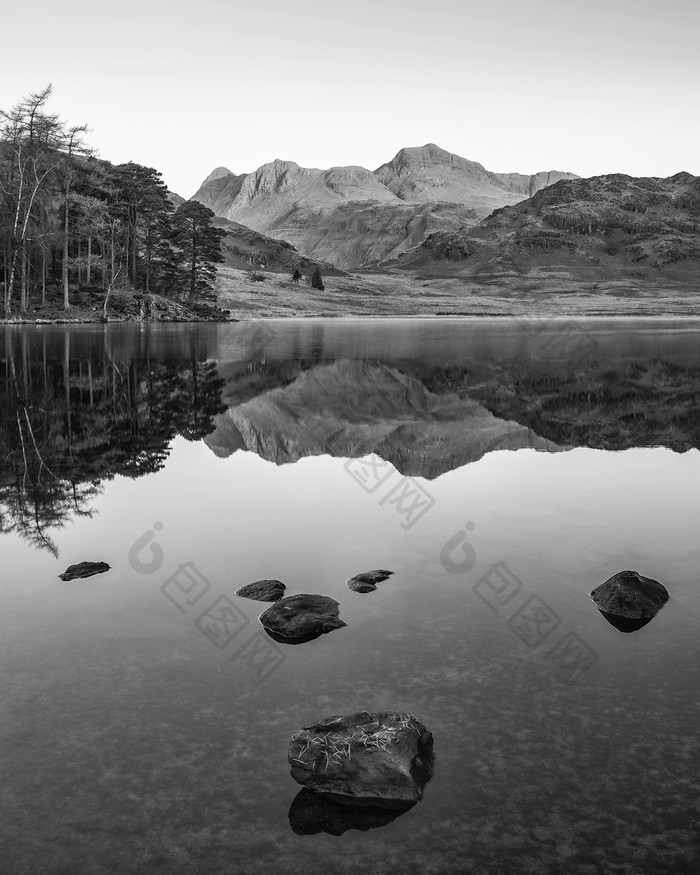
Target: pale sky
<point>589,86</point>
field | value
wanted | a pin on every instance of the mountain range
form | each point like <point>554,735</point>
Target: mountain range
<point>353,217</point>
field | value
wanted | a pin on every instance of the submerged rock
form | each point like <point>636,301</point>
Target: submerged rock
<point>263,590</point>
<point>84,569</point>
<point>368,580</point>
<point>628,600</point>
<point>382,759</point>
<point>300,618</point>
<point>311,813</point>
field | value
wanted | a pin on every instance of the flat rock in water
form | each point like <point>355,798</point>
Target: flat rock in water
<point>263,590</point>
<point>300,618</point>
<point>628,600</point>
<point>368,580</point>
<point>84,569</point>
<point>382,759</point>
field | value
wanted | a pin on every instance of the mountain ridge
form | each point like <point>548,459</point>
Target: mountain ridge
<point>315,209</point>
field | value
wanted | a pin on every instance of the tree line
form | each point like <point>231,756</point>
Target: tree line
<point>69,219</point>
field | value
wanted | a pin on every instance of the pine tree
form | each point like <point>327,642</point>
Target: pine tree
<point>199,244</point>
<point>316,281</point>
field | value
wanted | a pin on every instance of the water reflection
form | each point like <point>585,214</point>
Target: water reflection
<point>74,416</point>
<point>134,737</point>
<point>311,813</point>
<point>81,405</point>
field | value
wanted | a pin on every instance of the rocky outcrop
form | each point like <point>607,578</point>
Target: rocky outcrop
<point>368,580</point>
<point>297,619</point>
<point>84,569</point>
<point>263,590</point>
<point>628,600</point>
<point>609,226</point>
<point>384,758</point>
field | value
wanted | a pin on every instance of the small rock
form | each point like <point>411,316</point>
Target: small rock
<point>263,590</point>
<point>382,759</point>
<point>300,618</point>
<point>84,569</point>
<point>629,600</point>
<point>368,580</point>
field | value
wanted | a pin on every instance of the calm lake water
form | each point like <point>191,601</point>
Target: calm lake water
<point>502,469</point>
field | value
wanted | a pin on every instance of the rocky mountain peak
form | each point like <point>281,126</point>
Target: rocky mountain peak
<point>412,158</point>
<point>273,178</point>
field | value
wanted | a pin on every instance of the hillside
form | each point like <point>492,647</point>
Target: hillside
<point>352,217</point>
<point>245,249</point>
<point>611,226</point>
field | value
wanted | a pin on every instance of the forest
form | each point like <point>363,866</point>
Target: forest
<point>73,224</point>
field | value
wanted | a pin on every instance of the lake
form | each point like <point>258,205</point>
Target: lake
<point>501,468</point>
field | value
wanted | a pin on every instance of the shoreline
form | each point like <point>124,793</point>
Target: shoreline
<point>550,316</point>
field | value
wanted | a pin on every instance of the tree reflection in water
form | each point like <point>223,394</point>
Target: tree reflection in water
<point>70,421</point>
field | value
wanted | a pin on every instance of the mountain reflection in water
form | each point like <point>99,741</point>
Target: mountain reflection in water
<point>78,407</point>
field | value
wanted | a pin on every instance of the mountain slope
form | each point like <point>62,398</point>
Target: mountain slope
<point>351,216</point>
<point>616,224</point>
<point>245,249</point>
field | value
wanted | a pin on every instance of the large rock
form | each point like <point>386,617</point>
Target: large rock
<point>300,618</point>
<point>381,759</point>
<point>263,590</point>
<point>311,813</point>
<point>368,580</point>
<point>84,569</point>
<point>628,600</point>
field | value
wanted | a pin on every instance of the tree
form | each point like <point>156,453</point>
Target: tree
<point>296,276</point>
<point>316,281</point>
<point>145,210</point>
<point>37,163</point>
<point>29,158</point>
<point>73,145</point>
<point>198,243</point>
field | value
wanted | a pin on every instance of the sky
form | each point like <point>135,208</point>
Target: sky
<point>588,86</point>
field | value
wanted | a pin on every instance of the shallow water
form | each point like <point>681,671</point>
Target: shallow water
<point>140,734</point>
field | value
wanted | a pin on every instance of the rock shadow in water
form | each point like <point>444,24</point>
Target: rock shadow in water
<point>312,813</point>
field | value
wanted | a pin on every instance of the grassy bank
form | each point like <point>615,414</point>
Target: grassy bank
<point>396,293</point>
